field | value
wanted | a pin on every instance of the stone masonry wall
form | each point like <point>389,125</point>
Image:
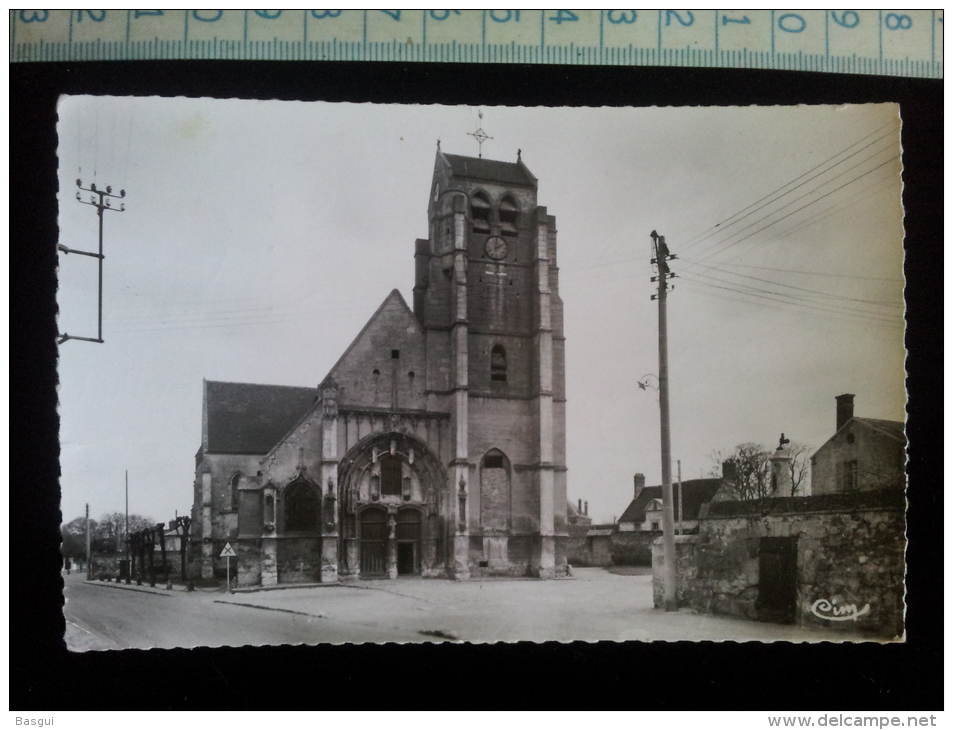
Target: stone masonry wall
<point>850,561</point>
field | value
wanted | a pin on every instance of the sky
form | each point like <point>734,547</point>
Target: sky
<point>259,236</point>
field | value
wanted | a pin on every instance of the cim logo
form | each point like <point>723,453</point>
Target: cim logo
<point>830,611</point>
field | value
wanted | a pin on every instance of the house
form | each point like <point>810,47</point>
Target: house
<point>578,516</point>
<point>436,445</point>
<point>834,559</point>
<point>644,513</point>
<point>589,544</point>
<point>864,454</point>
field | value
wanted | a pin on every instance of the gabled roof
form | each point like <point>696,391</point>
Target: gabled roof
<point>893,429</point>
<point>475,168</point>
<point>247,418</point>
<point>396,298</point>
<point>695,492</point>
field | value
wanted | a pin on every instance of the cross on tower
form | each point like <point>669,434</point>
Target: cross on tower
<point>480,135</point>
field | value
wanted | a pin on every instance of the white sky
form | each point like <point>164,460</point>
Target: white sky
<point>260,236</point>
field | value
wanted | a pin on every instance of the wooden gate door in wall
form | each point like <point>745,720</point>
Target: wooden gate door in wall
<point>777,582</point>
<point>373,542</point>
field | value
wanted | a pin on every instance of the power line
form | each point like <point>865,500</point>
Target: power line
<point>705,289</point>
<point>693,241</point>
<point>797,301</point>
<point>800,197</point>
<point>840,187</point>
<point>813,273</point>
<point>825,213</point>
<point>821,215</point>
<point>242,313</point>
<point>275,318</point>
<point>810,291</point>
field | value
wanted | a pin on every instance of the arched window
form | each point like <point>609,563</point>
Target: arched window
<point>236,480</point>
<point>509,216</point>
<point>498,364</point>
<point>480,209</point>
<point>390,475</point>
<point>301,508</point>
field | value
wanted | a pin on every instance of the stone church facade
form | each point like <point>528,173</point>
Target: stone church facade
<point>435,446</point>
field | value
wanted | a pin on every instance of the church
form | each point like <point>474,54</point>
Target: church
<point>436,445</point>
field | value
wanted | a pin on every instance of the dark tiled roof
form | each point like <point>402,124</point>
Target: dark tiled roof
<point>246,418</point>
<point>891,428</point>
<point>695,491</point>
<point>475,168</point>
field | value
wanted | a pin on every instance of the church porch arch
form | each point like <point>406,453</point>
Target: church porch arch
<point>393,503</point>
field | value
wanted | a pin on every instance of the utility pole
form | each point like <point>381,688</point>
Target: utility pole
<point>89,557</point>
<point>662,257</point>
<point>102,204</point>
<point>679,462</point>
<point>126,534</point>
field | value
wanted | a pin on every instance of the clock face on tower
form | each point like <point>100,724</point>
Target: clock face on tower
<point>495,248</point>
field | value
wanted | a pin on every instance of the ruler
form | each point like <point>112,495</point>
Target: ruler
<point>885,42</point>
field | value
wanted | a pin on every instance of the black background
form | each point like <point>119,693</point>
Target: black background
<point>630,676</point>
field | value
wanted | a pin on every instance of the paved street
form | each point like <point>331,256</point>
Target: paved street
<point>594,605</point>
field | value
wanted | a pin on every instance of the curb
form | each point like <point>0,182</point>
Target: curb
<point>271,608</point>
<point>121,587</point>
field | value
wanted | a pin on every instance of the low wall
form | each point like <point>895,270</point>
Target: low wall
<point>585,550</point>
<point>632,548</point>
<point>849,559</point>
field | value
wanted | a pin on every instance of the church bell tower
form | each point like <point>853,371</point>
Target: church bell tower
<point>487,295</point>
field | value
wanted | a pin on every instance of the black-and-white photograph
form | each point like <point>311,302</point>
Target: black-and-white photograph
<point>352,373</point>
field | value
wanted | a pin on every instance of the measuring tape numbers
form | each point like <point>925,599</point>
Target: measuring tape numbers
<point>893,43</point>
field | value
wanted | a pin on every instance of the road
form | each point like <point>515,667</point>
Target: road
<point>594,605</point>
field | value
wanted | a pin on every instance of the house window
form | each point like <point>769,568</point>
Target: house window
<point>390,475</point>
<point>301,508</point>
<point>498,364</point>
<point>849,476</point>
<point>509,216</point>
<point>655,526</point>
<point>480,208</point>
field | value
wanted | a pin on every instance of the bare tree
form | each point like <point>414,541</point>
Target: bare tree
<point>746,471</point>
<point>112,526</point>
<point>799,467</point>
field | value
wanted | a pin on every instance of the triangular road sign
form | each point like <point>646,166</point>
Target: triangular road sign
<point>228,551</point>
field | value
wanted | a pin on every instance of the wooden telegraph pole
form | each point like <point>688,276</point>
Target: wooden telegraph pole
<point>89,557</point>
<point>662,257</point>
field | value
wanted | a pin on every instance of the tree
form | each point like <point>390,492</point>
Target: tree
<point>799,467</point>
<point>107,535</point>
<point>747,471</point>
<point>74,538</point>
<point>110,531</point>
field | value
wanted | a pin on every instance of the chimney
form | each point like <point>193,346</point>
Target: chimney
<point>586,513</point>
<point>580,507</point>
<point>845,409</point>
<point>639,483</point>
<point>728,470</point>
